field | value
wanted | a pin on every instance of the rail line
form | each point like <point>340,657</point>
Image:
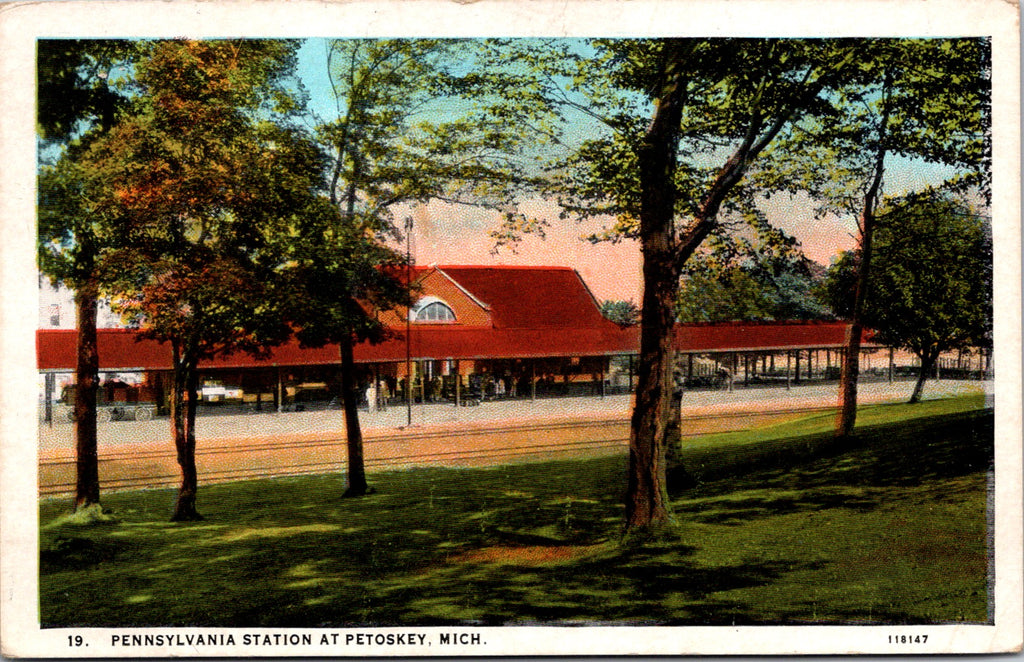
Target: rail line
<point>225,460</point>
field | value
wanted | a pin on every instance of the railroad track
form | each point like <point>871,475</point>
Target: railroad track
<point>224,460</point>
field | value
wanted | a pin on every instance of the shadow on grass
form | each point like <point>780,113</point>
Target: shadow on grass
<point>854,474</point>
<point>515,544</point>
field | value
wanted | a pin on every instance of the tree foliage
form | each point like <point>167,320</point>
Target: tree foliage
<point>623,313</point>
<point>415,120</point>
<point>339,278</point>
<point>683,120</point>
<point>924,99</point>
<point>683,125</point>
<point>428,119</point>
<point>78,102</point>
<point>759,278</point>
<point>193,187</point>
<point>930,289</point>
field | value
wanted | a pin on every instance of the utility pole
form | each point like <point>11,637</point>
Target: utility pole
<point>408,323</point>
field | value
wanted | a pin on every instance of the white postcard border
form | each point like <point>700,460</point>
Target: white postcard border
<point>22,23</point>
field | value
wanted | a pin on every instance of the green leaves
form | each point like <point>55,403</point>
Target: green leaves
<point>760,276</point>
<point>337,280</point>
<point>187,195</point>
<point>77,86</point>
<point>422,119</point>
<point>623,313</point>
<point>921,99</point>
<point>930,288</point>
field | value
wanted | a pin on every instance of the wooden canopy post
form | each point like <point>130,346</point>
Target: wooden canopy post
<point>376,387</point>
<point>458,385</point>
<point>49,379</point>
<point>280,391</point>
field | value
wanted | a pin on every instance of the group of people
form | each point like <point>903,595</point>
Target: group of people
<point>378,392</point>
<point>377,395</point>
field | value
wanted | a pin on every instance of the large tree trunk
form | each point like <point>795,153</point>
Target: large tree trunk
<point>850,371</point>
<point>647,494</point>
<point>87,378</point>
<point>87,484</point>
<point>664,256</point>
<point>356,483</point>
<point>184,397</point>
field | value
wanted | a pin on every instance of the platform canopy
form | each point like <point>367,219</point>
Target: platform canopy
<point>124,351</point>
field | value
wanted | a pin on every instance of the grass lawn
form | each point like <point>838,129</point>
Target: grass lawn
<point>783,526</point>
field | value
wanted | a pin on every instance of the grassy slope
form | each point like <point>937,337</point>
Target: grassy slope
<point>796,529</point>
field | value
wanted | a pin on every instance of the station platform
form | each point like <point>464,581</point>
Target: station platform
<point>59,437</point>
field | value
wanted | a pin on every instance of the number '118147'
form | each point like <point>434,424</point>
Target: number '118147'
<point>908,638</point>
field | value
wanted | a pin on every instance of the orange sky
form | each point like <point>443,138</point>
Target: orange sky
<point>458,235</point>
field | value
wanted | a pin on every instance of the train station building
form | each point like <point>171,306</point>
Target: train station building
<point>474,333</point>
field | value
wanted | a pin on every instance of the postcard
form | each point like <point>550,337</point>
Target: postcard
<point>432,329</point>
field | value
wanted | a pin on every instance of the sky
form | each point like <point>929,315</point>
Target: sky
<point>446,234</point>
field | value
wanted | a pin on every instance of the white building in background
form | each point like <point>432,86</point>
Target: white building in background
<point>57,309</point>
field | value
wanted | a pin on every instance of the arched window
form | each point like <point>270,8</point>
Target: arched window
<point>432,310</point>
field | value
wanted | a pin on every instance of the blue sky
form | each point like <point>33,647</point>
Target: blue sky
<point>313,72</point>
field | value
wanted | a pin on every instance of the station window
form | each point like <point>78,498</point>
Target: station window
<point>433,311</point>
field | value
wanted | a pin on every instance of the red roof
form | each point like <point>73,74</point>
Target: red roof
<point>531,297</point>
<point>535,311</point>
<point>762,336</point>
<point>121,349</point>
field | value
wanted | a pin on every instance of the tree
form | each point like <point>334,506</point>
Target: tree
<point>77,104</point>
<point>930,289</point>
<point>717,105</point>
<point>415,120</point>
<point>922,99</point>
<point>741,279</point>
<point>428,119</point>
<point>195,188</point>
<point>338,280</point>
<point>623,313</point>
